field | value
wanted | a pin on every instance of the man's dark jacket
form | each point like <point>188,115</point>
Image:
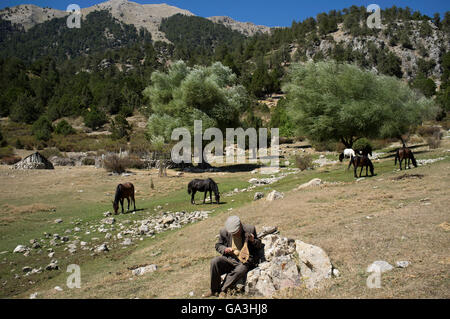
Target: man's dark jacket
<point>225,240</point>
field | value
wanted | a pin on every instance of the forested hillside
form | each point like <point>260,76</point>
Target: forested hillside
<point>51,71</point>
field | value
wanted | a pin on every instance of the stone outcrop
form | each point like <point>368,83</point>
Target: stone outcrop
<point>288,263</point>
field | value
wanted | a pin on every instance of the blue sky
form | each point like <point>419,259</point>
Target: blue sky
<point>270,13</point>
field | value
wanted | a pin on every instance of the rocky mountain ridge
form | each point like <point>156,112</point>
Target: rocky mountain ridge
<point>148,16</point>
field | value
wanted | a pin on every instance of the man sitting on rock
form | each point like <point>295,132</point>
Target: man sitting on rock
<point>238,245</point>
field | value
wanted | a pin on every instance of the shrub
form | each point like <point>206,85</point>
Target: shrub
<point>381,143</point>
<point>19,145</point>
<point>362,144</point>
<point>303,162</point>
<point>25,109</point>
<point>64,128</point>
<point>330,146</point>
<point>135,162</point>
<point>115,164</point>
<point>120,127</point>
<point>88,161</point>
<point>42,129</point>
<point>425,131</point>
<point>7,151</point>
<point>435,140</point>
<point>50,152</point>
<point>11,160</point>
<point>94,118</point>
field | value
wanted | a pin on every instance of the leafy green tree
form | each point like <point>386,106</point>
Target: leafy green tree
<point>25,109</point>
<point>183,94</point>
<point>120,127</point>
<point>42,129</point>
<point>331,101</point>
<point>94,118</point>
<point>425,85</point>
<point>64,128</point>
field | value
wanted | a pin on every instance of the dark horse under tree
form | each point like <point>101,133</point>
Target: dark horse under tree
<point>204,185</point>
<point>123,191</point>
<point>361,161</point>
<point>406,154</point>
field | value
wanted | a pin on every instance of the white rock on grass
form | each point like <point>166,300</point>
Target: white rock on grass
<point>143,270</point>
<point>101,248</point>
<point>313,182</point>
<point>258,195</point>
<point>402,264</point>
<point>274,195</point>
<point>20,249</point>
<point>127,242</point>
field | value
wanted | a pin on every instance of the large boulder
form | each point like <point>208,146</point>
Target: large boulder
<point>288,263</point>
<point>34,161</point>
<point>315,266</point>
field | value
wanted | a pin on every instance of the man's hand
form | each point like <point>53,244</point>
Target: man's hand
<point>251,238</point>
<point>228,250</point>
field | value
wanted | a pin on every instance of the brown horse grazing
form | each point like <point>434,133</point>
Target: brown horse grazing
<point>361,161</point>
<point>406,154</point>
<point>123,191</point>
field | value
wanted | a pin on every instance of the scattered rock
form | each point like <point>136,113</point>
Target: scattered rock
<point>258,196</point>
<point>313,182</point>
<point>274,195</point>
<point>58,288</point>
<point>58,221</point>
<point>143,270</point>
<point>402,264</point>
<point>52,266</point>
<point>26,269</point>
<point>109,221</point>
<point>101,248</point>
<point>20,249</point>
<point>127,242</point>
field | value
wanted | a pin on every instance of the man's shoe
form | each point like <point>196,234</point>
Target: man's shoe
<point>209,294</point>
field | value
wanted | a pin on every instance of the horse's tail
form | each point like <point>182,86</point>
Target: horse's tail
<point>189,188</point>
<point>413,160</point>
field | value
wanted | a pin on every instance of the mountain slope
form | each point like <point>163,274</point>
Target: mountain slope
<point>148,16</point>
<point>246,28</point>
<point>28,15</point>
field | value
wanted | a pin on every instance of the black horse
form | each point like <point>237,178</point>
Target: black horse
<point>204,185</point>
<point>361,161</point>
